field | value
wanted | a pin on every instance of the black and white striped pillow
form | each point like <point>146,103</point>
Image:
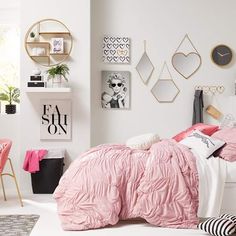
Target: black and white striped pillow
<point>218,226</point>
<point>229,216</point>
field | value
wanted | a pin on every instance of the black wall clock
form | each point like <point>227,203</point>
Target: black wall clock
<point>221,55</point>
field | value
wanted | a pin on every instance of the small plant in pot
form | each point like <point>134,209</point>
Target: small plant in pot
<point>11,95</point>
<point>56,73</point>
<point>32,36</point>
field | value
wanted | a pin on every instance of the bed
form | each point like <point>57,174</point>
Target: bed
<point>168,185</point>
<point>230,189</point>
<point>212,177</point>
<point>231,172</point>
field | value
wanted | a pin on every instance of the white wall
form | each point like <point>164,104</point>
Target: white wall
<point>163,24</point>
<point>75,14</point>
<point>9,12</point>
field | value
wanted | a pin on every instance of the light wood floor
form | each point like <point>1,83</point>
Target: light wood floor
<point>49,225</point>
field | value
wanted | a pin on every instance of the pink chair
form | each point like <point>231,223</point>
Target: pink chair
<point>4,157</point>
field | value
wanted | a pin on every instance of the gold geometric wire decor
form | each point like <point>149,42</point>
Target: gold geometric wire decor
<point>165,90</point>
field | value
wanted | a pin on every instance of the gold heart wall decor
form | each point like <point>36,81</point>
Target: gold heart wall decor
<point>186,63</point>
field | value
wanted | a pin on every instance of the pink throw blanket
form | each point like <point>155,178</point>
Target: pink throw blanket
<point>32,159</point>
<point>112,182</point>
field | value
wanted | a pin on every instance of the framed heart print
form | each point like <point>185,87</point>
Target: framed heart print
<point>221,55</point>
<point>116,50</point>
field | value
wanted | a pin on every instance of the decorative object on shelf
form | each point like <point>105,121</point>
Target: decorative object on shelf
<point>165,90</point>
<point>53,45</point>
<point>36,71</point>
<point>57,45</point>
<point>115,89</point>
<point>38,51</point>
<point>116,50</point>
<point>186,60</point>
<point>56,73</point>
<point>145,66</point>
<point>36,84</point>
<point>55,119</point>
<point>221,55</point>
<point>36,79</point>
<point>11,95</point>
<point>211,90</point>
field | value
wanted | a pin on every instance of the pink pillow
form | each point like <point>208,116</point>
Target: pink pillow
<point>206,129</point>
<point>228,151</point>
<point>2,146</point>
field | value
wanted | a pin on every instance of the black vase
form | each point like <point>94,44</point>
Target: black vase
<point>10,108</point>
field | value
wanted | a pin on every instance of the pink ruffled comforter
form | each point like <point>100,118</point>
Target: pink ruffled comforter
<point>112,182</point>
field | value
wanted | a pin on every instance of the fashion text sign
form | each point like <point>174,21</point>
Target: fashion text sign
<point>55,119</point>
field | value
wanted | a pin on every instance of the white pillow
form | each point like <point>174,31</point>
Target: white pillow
<point>203,144</point>
<point>143,142</point>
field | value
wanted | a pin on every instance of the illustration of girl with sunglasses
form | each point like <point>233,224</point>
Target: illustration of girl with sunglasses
<point>116,83</point>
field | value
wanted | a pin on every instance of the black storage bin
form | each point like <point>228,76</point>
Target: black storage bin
<point>47,179</point>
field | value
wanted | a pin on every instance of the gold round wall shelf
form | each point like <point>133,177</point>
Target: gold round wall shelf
<point>48,42</point>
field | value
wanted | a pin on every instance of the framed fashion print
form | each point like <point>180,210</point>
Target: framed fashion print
<point>55,119</point>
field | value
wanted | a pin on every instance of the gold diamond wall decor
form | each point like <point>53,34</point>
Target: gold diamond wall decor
<point>145,66</point>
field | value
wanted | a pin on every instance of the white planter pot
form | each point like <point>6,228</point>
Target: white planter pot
<point>32,39</point>
<point>57,81</point>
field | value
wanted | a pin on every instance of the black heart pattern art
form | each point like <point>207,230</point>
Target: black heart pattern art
<point>116,50</point>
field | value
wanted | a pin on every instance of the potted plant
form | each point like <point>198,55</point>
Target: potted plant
<point>32,36</point>
<point>10,94</point>
<point>56,73</point>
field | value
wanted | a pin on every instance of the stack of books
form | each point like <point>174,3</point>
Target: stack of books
<point>37,81</point>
